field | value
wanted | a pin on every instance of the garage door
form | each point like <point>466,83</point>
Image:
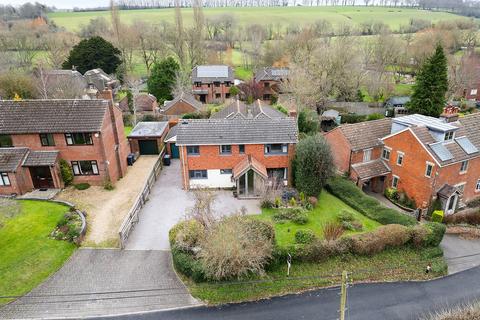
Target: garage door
<point>148,146</point>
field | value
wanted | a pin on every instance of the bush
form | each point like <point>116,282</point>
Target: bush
<point>304,236</point>
<point>370,207</point>
<point>187,264</point>
<point>474,203</point>
<point>345,215</point>
<point>296,215</point>
<point>186,234</point>
<point>66,172</point>
<point>435,234</point>
<point>332,230</point>
<point>313,201</point>
<point>471,217</point>
<point>292,202</point>
<point>375,116</point>
<point>437,216</point>
<point>108,185</point>
<point>418,235</point>
<point>289,194</point>
<point>267,204</point>
<point>321,250</point>
<point>82,186</point>
<point>235,247</point>
<point>352,225</point>
<point>388,236</point>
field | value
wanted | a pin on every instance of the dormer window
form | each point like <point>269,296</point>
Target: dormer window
<point>448,136</point>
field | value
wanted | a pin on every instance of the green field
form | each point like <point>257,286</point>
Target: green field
<point>28,255</point>
<point>284,16</point>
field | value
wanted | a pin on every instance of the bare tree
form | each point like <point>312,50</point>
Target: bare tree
<point>202,209</point>
<point>151,42</point>
<point>58,46</point>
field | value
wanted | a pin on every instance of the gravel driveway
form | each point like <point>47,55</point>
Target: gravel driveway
<point>168,204</point>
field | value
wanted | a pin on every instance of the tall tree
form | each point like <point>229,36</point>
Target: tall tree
<point>431,85</point>
<point>93,53</point>
<point>162,79</point>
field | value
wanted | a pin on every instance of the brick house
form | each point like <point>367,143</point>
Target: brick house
<point>211,83</point>
<point>36,134</point>
<point>183,103</point>
<point>425,157</point>
<point>271,80</point>
<point>238,153</point>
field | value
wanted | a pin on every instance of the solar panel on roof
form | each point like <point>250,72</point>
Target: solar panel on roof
<point>466,145</point>
<point>212,71</point>
<point>279,72</point>
<point>441,151</point>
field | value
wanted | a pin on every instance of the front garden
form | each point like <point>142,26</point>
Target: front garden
<point>29,251</point>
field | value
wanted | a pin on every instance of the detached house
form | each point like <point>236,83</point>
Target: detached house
<point>181,104</point>
<point>271,80</point>
<point>425,157</point>
<point>211,83</point>
<point>36,134</point>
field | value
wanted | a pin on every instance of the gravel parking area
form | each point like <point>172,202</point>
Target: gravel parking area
<point>107,209</point>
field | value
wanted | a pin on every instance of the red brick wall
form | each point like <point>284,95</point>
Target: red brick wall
<point>451,175</point>
<point>210,158</point>
<point>212,90</point>
<point>340,149</point>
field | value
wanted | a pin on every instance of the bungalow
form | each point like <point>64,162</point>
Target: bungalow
<point>211,83</point>
<point>244,154</point>
<point>425,157</point>
<point>36,134</point>
<point>271,80</point>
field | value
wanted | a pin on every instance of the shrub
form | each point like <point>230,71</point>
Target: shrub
<point>418,235</point>
<point>186,234</point>
<point>370,207</point>
<point>289,194</point>
<point>470,217</point>
<point>108,185</point>
<point>370,243</point>
<point>375,116</point>
<point>82,186</point>
<point>304,236</point>
<point>292,202</point>
<point>352,225</point>
<point>435,235</point>
<point>187,264</point>
<point>267,204</point>
<point>278,202</point>
<point>345,215</point>
<point>66,172</point>
<point>332,230</point>
<point>320,250</point>
<point>296,215</point>
<point>300,219</point>
<point>234,248</point>
<point>391,193</point>
<point>437,216</point>
<point>474,203</point>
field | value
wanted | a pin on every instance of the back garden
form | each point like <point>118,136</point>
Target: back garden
<point>243,257</point>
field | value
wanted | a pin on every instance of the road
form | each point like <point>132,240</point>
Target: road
<point>382,301</point>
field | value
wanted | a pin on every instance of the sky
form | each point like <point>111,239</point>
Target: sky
<point>63,4</point>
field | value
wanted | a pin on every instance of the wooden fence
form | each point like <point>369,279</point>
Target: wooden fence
<point>133,215</point>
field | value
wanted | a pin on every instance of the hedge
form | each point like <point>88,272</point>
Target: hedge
<point>186,264</point>
<point>368,206</point>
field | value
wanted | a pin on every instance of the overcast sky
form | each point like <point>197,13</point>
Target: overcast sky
<point>63,4</point>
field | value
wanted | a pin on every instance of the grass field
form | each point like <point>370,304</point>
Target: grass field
<point>28,256</point>
<point>284,16</point>
<point>327,210</point>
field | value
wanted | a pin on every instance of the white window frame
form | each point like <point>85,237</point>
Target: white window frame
<point>462,169</point>
<point>477,187</point>
<point>449,135</point>
<point>395,181</point>
<point>429,164</point>
<point>225,152</point>
<point>226,171</point>
<point>4,179</point>
<point>367,155</point>
<point>400,155</point>
<point>385,151</point>
<point>473,92</point>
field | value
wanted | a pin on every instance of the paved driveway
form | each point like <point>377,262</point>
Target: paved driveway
<point>168,204</point>
<point>98,282</point>
<point>459,253</point>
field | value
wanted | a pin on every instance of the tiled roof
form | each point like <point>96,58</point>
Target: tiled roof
<point>371,169</point>
<point>236,131</point>
<point>40,158</point>
<point>366,134</point>
<point>271,73</point>
<point>172,133</point>
<point>51,116</point>
<point>100,79</point>
<point>240,109</point>
<point>145,102</point>
<point>149,129</point>
<point>11,158</point>
<point>211,73</point>
<point>249,163</point>
<point>185,97</point>
<point>446,191</point>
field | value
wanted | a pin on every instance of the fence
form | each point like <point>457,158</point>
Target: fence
<point>133,215</point>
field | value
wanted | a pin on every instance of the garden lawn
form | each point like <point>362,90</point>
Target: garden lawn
<point>27,254</point>
<point>390,265</point>
<point>327,210</point>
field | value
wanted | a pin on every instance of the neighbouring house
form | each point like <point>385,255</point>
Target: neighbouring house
<point>98,80</point>
<point>181,104</point>
<point>424,157</point>
<point>271,80</point>
<point>145,103</point>
<point>241,110</point>
<point>66,83</point>
<point>147,138</point>
<point>329,120</point>
<point>398,104</point>
<point>36,134</point>
<point>212,83</point>
<point>238,153</point>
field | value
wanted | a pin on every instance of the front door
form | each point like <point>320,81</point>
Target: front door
<point>41,177</point>
<point>174,150</point>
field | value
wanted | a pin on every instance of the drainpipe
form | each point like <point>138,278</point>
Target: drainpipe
<point>183,168</point>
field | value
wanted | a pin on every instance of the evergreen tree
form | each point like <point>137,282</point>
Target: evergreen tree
<point>431,85</point>
<point>162,79</point>
<point>92,53</point>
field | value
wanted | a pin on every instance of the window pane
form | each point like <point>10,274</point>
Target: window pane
<point>241,148</point>
<point>5,141</point>
<point>69,138</point>
<point>86,167</point>
<point>94,167</point>
<point>76,168</point>
<point>1,179</point>
<point>6,179</point>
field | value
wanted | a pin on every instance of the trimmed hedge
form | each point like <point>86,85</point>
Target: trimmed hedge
<point>370,207</point>
<point>186,264</point>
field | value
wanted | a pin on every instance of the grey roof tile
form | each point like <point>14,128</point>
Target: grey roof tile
<point>11,158</point>
<point>366,134</point>
<point>51,116</point>
<point>271,74</point>
<point>40,158</point>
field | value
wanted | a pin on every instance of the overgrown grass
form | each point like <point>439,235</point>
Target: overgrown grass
<point>390,265</point>
<point>403,89</point>
<point>28,255</point>
<point>243,74</point>
<point>327,210</point>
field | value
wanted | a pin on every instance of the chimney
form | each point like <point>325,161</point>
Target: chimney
<point>450,114</point>
<point>292,113</point>
<point>106,94</point>
<point>74,68</point>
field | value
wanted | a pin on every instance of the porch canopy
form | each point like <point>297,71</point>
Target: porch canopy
<point>11,158</point>
<point>41,159</point>
<point>371,169</point>
<point>249,163</point>
<point>250,176</point>
<point>446,191</point>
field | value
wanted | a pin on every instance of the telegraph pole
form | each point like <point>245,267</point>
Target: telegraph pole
<point>343,293</point>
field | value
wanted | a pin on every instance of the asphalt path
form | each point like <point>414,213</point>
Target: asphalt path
<point>395,301</point>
